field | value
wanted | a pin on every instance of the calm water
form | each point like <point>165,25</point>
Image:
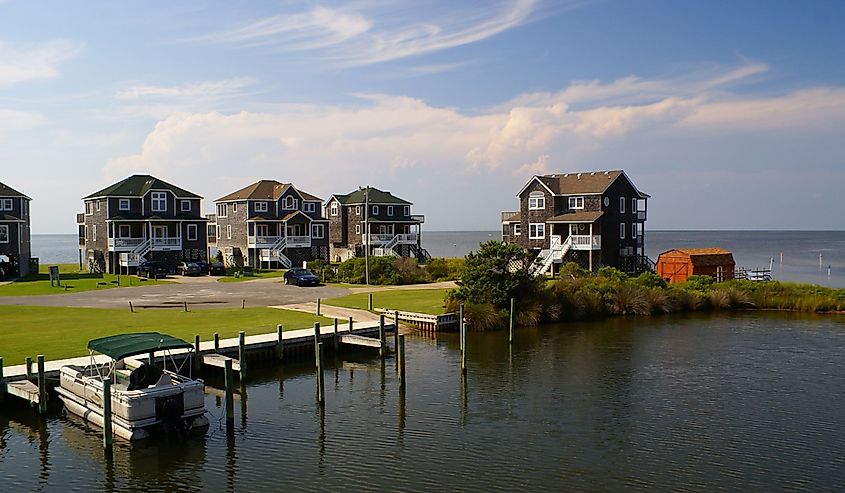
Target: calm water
<point>731,403</point>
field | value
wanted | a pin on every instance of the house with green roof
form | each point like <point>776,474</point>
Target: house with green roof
<point>270,223</point>
<point>141,219</point>
<point>15,245</point>
<point>374,220</point>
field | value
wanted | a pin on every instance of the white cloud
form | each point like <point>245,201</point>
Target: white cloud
<point>205,89</point>
<point>19,120</point>
<point>20,64</point>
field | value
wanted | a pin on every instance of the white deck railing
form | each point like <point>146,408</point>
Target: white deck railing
<point>586,242</point>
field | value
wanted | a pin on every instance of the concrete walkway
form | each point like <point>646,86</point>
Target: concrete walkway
<point>329,311</point>
<point>405,287</point>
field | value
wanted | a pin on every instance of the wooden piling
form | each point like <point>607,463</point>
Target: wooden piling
<point>370,301</point>
<point>350,325</point>
<point>280,344</point>
<point>131,308</point>
<point>461,326</point>
<point>42,386</point>
<point>336,337</point>
<point>316,341</point>
<point>400,357</point>
<point>463,343</point>
<point>321,383</point>
<point>510,325</point>
<point>2,383</point>
<point>216,342</point>
<point>318,307</point>
<point>382,350</point>
<point>185,303</point>
<point>197,361</point>
<point>28,363</point>
<point>243,304</point>
<point>152,358</point>
<point>396,335</point>
<point>229,377</point>
<point>107,428</point>
<point>242,353</point>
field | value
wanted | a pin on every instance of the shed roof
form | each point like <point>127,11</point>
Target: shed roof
<point>266,190</point>
<point>705,257</point>
<point>138,186</point>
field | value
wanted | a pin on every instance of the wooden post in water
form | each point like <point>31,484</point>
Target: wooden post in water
<point>370,301</point>
<point>336,338</point>
<point>464,344</point>
<point>197,361</point>
<point>229,377</point>
<point>350,325</point>
<point>318,307</point>
<point>510,325</point>
<point>216,342</point>
<point>28,363</point>
<point>400,358</point>
<point>461,326</point>
<point>382,349</point>
<point>316,341</point>
<point>42,386</point>
<point>396,336</point>
<point>107,428</point>
<point>280,343</point>
<point>2,383</point>
<point>242,353</point>
<point>321,384</point>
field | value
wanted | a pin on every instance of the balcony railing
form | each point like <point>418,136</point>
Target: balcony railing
<point>124,244</point>
<point>418,217</point>
<point>408,239</point>
<point>586,242</point>
<point>261,241</point>
<point>165,244</point>
<point>299,241</point>
<point>378,239</point>
<point>507,215</point>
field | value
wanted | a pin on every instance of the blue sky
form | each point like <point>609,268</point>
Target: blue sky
<point>730,114</point>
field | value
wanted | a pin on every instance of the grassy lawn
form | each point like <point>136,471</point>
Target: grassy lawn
<point>412,300</point>
<point>64,332</point>
<point>263,274</point>
<point>71,283</point>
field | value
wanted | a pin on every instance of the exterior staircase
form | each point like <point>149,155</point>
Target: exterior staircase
<point>278,249</point>
<point>556,251</point>
<point>137,257</point>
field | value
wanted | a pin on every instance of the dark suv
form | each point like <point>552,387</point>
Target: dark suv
<point>189,269</point>
<point>301,277</point>
<point>153,270</point>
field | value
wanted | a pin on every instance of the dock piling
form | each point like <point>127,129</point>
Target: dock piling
<point>131,308</point>
<point>197,358</point>
<point>185,304</point>
<point>229,376</point>
<point>336,338</point>
<point>510,325</point>
<point>216,342</point>
<point>316,341</point>
<point>382,350</point>
<point>370,301</point>
<point>350,325</point>
<point>28,363</point>
<point>2,383</point>
<point>396,335</point>
<point>242,353</point>
<point>280,343</point>
<point>400,358</point>
<point>321,383</point>
<point>42,386</point>
<point>107,428</point>
<point>318,307</point>
<point>463,342</point>
<point>461,326</point>
<point>243,304</point>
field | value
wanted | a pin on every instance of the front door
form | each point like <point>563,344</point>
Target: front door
<point>159,231</point>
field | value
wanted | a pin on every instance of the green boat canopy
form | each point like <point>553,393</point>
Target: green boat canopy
<point>125,345</point>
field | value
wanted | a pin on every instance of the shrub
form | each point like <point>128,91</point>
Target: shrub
<point>497,273</point>
<point>628,299</point>
<point>612,274</point>
<point>409,271</point>
<point>572,270</point>
<point>382,271</point>
<point>479,316</point>
<point>445,269</point>
<point>649,280</point>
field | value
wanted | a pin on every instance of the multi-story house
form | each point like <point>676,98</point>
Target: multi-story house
<point>374,219</point>
<point>15,248</point>
<point>595,218</point>
<point>141,219</point>
<point>271,223</point>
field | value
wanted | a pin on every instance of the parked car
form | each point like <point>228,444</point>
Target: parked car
<point>216,269</point>
<point>203,265</point>
<point>189,269</point>
<point>153,270</point>
<point>301,277</point>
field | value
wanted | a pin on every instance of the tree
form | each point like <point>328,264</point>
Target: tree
<point>495,274</point>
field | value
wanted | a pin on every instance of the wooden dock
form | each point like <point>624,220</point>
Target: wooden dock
<point>219,361</point>
<point>356,340</point>
<point>424,321</point>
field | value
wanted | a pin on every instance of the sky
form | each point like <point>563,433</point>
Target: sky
<point>731,115</point>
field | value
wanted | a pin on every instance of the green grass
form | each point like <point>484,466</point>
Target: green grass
<point>63,268</point>
<point>263,274</point>
<point>412,300</point>
<point>71,283</point>
<point>64,332</point>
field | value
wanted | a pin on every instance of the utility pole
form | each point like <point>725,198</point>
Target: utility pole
<point>367,234</point>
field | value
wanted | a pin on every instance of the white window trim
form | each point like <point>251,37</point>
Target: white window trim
<point>9,207</point>
<point>390,210</point>
<point>407,210</point>
<point>228,231</point>
<point>94,232</point>
<point>234,207</point>
<point>333,208</point>
<point>633,205</point>
<point>123,204</point>
<point>537,227</point>
<point>290,203</point>
<point>182,204</point>
<point>517,229</point>
<point>124,227</point>
<point>194,228</point>
<point>98,205</point>
<point>536,203</point>
<point>358,210</point>
<point>572,202</point>
<point>261,207</point>
<point>633,231</point>
<point>4,227</point>
<point>357,229</point>
<point>375,210</point>
<point>224,208</point>
<point>156,197</point>
<point>309,207</point>
<point>318,227</point>
<point>621,205</point>
<point>621,231</point>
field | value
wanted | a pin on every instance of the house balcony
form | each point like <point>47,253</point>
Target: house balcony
<point>418,217</point>
<point>507,216</point>
<point>163,244</point>
<point>124,244</point>
<point>641,216</point>
<point>261,242</point>
<point>586,242</point>
<point>401,239</point>
<point>80,218</point>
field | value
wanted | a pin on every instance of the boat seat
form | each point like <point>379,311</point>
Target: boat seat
<point>163,381</point>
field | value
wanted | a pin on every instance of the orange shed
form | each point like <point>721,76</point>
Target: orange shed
<point>678,264</point>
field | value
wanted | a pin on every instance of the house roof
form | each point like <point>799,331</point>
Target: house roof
<point>376,196</point>
<point>375,220</point>
<point>138,186</point>
<point>576,217</point>
<point>9,217</point>
<point>705,257</point>
<point>7,191</point>
<point>514,218</point>
<point>140,217</point>
<point>266,190</point>
<point>586,182</point>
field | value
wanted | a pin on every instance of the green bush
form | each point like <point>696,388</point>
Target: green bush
<point>445,269</point>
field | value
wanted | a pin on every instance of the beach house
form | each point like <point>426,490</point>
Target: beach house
<point>140,219</point>
<point>594,218</point>
<point>15,246</point>
<point>270,223</point>
<point>374,221</point>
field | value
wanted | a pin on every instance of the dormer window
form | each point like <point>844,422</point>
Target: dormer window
<point>159,201</point>
<point>261,207</point>
<point>185,205</point>
<point>290,203</point>
<point>536,201</point>
<point>576,202</point>
<point>123,204</point>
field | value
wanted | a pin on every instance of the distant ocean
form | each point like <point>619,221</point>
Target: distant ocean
<point>752,249</point>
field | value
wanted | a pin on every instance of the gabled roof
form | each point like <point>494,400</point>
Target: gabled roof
<point>138,186</point>
<point>576,217</point>
<point>7,191</point>
<point>266,190</point>
<point>587,182</point>
<point>705,257</point>
<point>376,196</point>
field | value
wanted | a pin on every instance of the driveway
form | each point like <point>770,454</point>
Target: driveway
<point>199,292</point>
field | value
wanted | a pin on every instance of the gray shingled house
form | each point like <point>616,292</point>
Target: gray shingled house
<point>270,223</point>
<point>374,219</point>
<point>594,218</point>
<point>15,246</point>
<point>141,219</point>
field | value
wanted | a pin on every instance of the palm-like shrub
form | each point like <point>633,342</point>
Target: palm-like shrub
<point>628,299</point>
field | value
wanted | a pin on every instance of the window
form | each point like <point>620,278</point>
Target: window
<point>375,210</point>
<point>289,203</point>
<point>25,207</point>
<point>621,204</point>
<point>634,206</point>
<point>4,233</point>
<point>192,232</point>
<point>123,204</point>
<point>633,231</point>
<point>234,207</point>
<point>607,201</point>
<point>185,205</point>
<point>98,206</point>
<point>407,210</point>
<point>517,229</point>
<point>333,208</point>
<point>88,208</point>
<point>536,201</point>
<point>309,207</point>
<point>261,207</point>
<point>318,231</point>
<point>221,210</point>
<point>94,233</point>
<point>576,202</point>
<point>228,231</point>
<point>123,231</point>
<point>621,231</point>
<point>6,205</point>
<point>358,210</point>
<point>159,201</point>
<point>389,210</point>
<point>536,231</point>
<point>357,229</point>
